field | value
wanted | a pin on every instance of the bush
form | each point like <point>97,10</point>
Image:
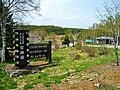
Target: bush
<point>86,49</point>
<point>90,50</point>
<point>56,45</point>
<point>103,51</point>
<point>78,46</point>
<point>75,55</point>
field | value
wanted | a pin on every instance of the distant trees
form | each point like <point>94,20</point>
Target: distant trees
<point>50,29</point>
<point>42,33</point>
<point>85,34</point>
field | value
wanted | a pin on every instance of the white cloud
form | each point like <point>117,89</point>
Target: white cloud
<point>79,13</point>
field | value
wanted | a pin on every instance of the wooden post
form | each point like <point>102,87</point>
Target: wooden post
<point>50,51</point>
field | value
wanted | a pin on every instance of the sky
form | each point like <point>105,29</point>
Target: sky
<point>68,13</point>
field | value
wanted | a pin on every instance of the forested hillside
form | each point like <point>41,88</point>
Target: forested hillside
<point>50,29</point>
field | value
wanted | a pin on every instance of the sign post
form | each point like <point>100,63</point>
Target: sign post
<point>25,51</point>
<point>41,50</point>
<point>21,48</point>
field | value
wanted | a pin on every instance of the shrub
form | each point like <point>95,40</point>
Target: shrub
<point>103,50</point>
<point>75,55</point>
<point>90,50</point>
<point>56,46</point>
<point>78,46</point>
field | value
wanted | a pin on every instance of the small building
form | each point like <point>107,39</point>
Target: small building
<point>105,40</point>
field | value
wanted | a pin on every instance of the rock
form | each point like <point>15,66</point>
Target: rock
<point>68,79</point>
<point>70,70</point>
<point>91,79</point>
<point>83,77</point>
<point>118,87</point>
<point>97,84</point>
<point>71,75</point>
<point>20,76</point>
<point>14,74</point>
<point>33,71</point>
<point>83,74</point>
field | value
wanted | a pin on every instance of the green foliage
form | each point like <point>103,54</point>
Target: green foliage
<point>85,34</point>
<point>7,19</point>
<point>28,86</point>
<point>86,49</point>
<point>78,45</point>
<point>12,85</point>
<point>91,51</point>
<point>9,30</point>
<point>50,29</point>
<point>6,82</point>
<point>66,39</point>
<point>79,36</point>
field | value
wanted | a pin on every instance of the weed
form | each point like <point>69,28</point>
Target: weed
<point>103,51</point>
<point>12,85</point>
<point>28,86</point>
<point>78,46</point>
<point>90,50</point>
<point>75,55</point>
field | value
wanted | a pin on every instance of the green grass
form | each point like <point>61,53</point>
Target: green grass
<point>6,82</point>
<point>28,86</point>
<point>54,75</point>
<point>65,67</point>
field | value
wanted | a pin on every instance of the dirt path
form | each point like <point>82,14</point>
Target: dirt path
<point>103,77</point>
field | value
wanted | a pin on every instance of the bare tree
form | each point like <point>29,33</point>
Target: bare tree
<point>111,21</point>
<point>19,9</point>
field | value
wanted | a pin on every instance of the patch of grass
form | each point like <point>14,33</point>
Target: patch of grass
<point>28,86</point>
<point>58,79</point>
<point>12,85</point>
<point>2,87</point>
<point>6,82</point>
<point>47,84</point>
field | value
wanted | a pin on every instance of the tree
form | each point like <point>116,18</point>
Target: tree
<point>66,40</point>
<point>111,22</point>
<point>85,34</point>
<point>42,33</point>
<point>19,8</point>
<point>9,30</point>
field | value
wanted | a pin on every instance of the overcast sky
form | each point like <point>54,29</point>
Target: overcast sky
<point>68,13</point>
